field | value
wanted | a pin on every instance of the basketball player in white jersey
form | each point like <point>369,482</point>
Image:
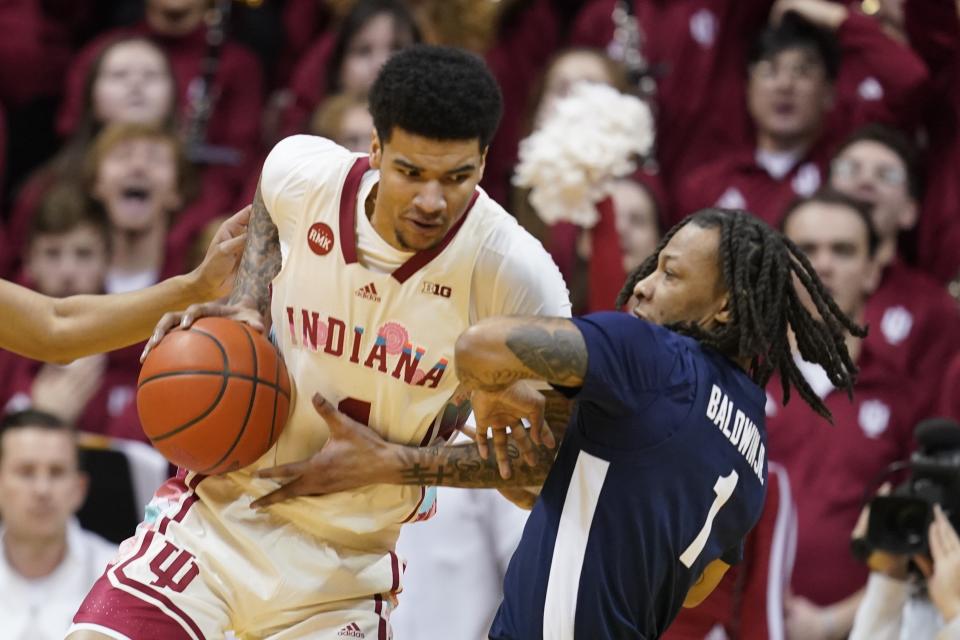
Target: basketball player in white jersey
<point>377,263</point>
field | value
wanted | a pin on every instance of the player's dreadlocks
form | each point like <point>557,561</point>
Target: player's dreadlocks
<point>759,266</point>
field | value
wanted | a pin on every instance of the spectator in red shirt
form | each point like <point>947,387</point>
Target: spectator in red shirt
<point>68,253</point>
<point>139,174</point>
<point>913,321</point>
<point>348,59</point>
<point>832,467</point>
<point>789,92</point>
<point>177,27</point>
<point>343,118</point>
<point>796,119</point>
<point>593,261</point>
<point>694,53</point>
<point>130,81</point>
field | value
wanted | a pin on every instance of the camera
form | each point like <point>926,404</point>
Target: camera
<point>899,523</point>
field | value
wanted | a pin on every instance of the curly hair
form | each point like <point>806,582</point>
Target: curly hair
<point>439,93</point>
<point>759,266</point>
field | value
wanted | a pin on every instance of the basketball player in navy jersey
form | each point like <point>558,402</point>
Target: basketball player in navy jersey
<point>662,468</point>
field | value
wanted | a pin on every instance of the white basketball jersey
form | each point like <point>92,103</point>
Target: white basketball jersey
<point>379,346</point>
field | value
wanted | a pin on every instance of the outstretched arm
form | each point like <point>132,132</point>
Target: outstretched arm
<point>356,456</point>
<point>64,329</point>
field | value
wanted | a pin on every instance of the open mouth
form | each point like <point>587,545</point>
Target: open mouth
<point>135,194</point>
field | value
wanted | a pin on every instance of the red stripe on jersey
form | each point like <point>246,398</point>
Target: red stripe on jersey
<point>348,209</point>
<point>348,225</point>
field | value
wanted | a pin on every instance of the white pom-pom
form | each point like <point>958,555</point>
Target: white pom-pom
<point>592,136</point>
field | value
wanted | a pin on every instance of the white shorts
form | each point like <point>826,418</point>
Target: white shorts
<point>190,575</point>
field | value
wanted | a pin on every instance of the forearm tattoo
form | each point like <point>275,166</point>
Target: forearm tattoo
<point>462,466</point>
<point>261,261</point>
<point>491,380</point>
<point>558,356</point>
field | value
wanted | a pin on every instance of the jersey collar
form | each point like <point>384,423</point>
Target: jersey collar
<point>348,225</point>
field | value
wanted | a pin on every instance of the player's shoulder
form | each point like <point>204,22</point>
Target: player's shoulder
<point>302,164</point>
<point>513,269</point>
<point>634,338</point>
<point>503,235</point>
<point>302,152</point>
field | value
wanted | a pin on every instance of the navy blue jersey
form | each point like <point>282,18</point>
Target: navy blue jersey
<point>662,470</point>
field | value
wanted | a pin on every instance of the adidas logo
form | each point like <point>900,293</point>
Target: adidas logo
<point>351,631</point>
<point>368,292</point>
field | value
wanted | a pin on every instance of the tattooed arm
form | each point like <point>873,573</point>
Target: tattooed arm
<point>260,263</point>
<point>462,466</point>
<point>356,456</point>
<point>249,301</point>
<point>494,353</point>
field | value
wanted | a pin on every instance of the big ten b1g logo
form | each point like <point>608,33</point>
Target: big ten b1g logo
<point>436,289</point>
<point>320,238</point>
<point>174,568</point>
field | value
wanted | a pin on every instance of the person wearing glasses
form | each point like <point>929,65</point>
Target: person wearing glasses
<point>799,75</point>
<point>913,321</point>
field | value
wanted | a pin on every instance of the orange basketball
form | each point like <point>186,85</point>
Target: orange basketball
<point>213,398</point>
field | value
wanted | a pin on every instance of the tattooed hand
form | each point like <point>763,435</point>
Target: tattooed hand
<point>503,412</point>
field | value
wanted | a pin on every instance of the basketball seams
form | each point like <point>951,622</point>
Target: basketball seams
<point>250,404</point>
<point>216,401</point>
<point>239,428</point>
<point>204,372</point>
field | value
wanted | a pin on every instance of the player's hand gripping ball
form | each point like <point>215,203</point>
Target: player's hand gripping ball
<point>214,397</point>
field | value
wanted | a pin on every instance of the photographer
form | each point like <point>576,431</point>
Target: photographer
<point>914,587</point>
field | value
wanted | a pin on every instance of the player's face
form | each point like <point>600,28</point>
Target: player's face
<point>425,187</point>
<point>872,172</point>
<point>788,94</point>
<point>370,47</point>
<point>687,285</point>
<point>40,484</point>
<point>356,129</point>
<point>636,222</point>
<point>137,183</point>
<point>69,263</point>
<point>133,85</point>
<point>834,238</point>
<point>175,17</point>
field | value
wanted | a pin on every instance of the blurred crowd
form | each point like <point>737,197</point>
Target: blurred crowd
<point>130,128</point>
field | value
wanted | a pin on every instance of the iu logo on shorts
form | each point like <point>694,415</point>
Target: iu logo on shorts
<point>174,572</point>
<point>320,238</point>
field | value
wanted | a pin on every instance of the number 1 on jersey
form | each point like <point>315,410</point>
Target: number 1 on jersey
<point>723,487</point>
